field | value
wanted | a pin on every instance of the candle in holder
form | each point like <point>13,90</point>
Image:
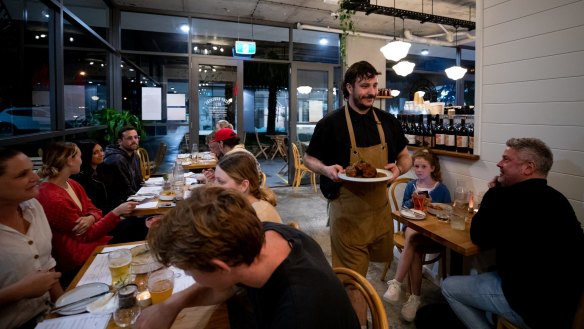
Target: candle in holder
<point>144,298</point>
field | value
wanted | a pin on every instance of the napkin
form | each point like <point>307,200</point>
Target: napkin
<point>105,305</point>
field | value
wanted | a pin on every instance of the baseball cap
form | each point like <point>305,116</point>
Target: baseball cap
<point>224,134</point>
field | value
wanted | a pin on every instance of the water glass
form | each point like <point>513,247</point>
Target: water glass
<point>195,152</point>
<point>457,221</point>
<point>119,265</point>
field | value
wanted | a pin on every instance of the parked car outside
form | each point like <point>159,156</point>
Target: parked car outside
<point>19,120</point>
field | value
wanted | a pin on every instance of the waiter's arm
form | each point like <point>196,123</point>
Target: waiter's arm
<point>401,165</point>
<point>320,168</point>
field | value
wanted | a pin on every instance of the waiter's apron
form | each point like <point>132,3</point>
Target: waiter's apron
<point>361,227</point>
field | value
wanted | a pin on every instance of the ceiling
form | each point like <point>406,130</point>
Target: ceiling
<point>321,13</point>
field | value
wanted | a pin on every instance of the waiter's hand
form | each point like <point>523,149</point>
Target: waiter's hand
<point>394,170</point>
<point>332,172</point>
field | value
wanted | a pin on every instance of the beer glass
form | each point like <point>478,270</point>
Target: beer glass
<point>119,265</point>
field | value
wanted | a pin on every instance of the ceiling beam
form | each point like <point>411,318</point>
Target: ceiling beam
<point>368,8</point>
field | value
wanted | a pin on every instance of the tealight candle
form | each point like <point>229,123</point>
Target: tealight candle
<point>144,298</point>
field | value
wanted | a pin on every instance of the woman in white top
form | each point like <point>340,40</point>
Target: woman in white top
<point>28,281</point>
<point>238,171</point>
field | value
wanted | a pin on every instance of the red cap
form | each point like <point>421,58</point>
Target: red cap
<point>224,134</point>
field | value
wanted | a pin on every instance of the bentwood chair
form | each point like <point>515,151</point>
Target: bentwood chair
<point>158,158</point>
<point>300,169</point>
<point>264,179</point>
<point>263,147</point>
<point>353,280</point>
<point>144,162</point>
<point>396,191</point>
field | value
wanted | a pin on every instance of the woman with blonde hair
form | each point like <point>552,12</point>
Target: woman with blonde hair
<point>238,171</point>
<point>77,224</point>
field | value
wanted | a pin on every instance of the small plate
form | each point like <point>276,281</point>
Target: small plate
<point>386,175</point>
<point>142,260</point>
<point>413,214</point>
<point>169,197</point>
<point>435,208</point>
<point>78,293</point>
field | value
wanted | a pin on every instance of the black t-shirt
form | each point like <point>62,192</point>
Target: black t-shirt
<point>330,142</point>
<point>303,292</point>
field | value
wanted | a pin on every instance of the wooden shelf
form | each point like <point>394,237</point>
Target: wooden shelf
<point>467,156</point>
<point>383,97</point>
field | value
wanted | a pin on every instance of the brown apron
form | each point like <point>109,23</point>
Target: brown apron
<point>361,227</point>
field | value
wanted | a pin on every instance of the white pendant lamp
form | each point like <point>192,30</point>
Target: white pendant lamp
<point>394,92</point>
<point>304,90</point>
<point>404,68</point>
<point>395,50</point>
<point>455,72</point>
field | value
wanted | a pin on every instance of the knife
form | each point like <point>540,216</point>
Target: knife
<point>60,308</point>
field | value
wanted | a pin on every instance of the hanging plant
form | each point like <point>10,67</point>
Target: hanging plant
<point>346,25</point>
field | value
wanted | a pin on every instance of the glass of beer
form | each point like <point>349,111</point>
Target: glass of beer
<point>119,264</point>
<point>419,200</point>
<point>160,285</point>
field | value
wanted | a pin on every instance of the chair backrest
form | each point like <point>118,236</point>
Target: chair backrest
<point>159,157</point>
<point>296,154</point>
<point>263,182</point>
<point>144,162</point>
<point>258,137</point>
<point>352,279</point>
<point>396,192</point>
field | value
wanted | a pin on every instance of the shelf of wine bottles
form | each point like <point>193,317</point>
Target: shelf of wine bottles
<point>451,135</point>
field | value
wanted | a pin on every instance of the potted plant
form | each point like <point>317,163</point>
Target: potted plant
<point>115,120</point>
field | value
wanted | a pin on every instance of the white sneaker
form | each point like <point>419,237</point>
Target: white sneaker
<point>411,307</point>
<point>393,291</point>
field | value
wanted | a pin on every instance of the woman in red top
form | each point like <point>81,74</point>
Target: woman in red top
<point>78,226</point>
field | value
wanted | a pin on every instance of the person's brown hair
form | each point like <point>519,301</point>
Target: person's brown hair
<point>55,158</point>
<point>5,155</point>
<point>242,166</point>
<point>213,223</point>
<point>432,159</point>
<point>360,70</point>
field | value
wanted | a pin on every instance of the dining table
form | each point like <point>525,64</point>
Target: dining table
<point>458,242</point>
<point>203,317</point>
<point>279,146</point>
<point>200,161</point>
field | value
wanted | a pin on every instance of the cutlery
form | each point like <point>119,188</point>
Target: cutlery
<point>411,213</point>
<point>82,300</point>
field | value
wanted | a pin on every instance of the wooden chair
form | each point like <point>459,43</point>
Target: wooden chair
<point>262,146</point>
<point>399,236</point>
<point>300,169</point>
<point>158,158</point>
<point>352,279</point>
<point>264,179</point>
<point>503,323</point>
<point>144,162</point>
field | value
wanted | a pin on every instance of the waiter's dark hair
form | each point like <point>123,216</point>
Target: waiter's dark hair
<point>5,155</point>
<point>359,70</point>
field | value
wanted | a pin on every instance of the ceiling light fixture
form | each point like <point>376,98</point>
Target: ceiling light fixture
<point>323,41</point>
<point>424,52</point>
<point>185,28</point>
<point>305,90</point>
<point>404,68</point>
<point>456,72</point>
<point>396,50</point>
<point>395,92</point>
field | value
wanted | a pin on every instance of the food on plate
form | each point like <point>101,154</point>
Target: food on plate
<point>361,169</point>
<point>435,206</point>
<point>167,193</point>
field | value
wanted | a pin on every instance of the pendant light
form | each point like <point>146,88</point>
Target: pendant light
<point>395,50</point>
<point>456,72</point>
<point>404,68</point>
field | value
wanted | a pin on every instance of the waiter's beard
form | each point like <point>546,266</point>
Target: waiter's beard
<point>360,105</point>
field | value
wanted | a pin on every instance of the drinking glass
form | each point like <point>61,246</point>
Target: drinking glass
<point>119,265</point>
<point>160,285</point>
<point>457,221</point>
<point>419,201</point>
<point>195,152</point>
<point>128,309</point>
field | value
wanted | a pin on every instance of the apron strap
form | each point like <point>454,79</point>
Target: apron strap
<point>352,134</point>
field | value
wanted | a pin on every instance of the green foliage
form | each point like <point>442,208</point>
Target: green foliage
<point>346,25</point>
<point>115,120</point>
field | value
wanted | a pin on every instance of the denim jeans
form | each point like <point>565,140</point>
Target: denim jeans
<point>475,297</point>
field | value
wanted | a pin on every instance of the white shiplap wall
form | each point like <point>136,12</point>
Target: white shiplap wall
<point>530,83</point>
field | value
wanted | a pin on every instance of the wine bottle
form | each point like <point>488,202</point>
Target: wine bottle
<point>408,132</point>
<point>471,136</point>
<point>450,136</point>
<point>439,134</point>
<point>428,132</point>
<point>462,137</point>
<point>420,131</point>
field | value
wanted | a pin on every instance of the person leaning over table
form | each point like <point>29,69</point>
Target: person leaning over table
<point>216,237</point>
<point>538,243</point>
<point>77,225</point>
<point>28,281</point>
<point>361,226</point>
<point>228,142</point>
<point>238,171</point>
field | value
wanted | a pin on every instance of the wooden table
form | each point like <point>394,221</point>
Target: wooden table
<point>279,146</point>
<point>201,164</point>
<point>204,317</point>
<point>458,242</point>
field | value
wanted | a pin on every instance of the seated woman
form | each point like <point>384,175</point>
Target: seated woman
<point>77,224</point>
<point>91,176</point>
<point>28,281</point>
<point>427,169</point>
<point>239,172</point>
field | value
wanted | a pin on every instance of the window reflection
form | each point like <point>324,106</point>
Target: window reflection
<point>95,13</point>
<point>148,32</point>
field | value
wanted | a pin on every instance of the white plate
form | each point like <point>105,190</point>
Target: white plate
<point>142,260</point>
<point>444,206</point>
<point>386,176</point>
<point>413,214</point>
<point>78,293</point>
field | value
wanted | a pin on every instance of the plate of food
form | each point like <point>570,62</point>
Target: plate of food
<point>435,208</point>
<point>412,214</point>
<point>167,195</point>
<point>363,172</point>
<point>142,260</point>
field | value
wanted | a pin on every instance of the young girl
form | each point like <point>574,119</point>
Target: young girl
<point>427,169</point>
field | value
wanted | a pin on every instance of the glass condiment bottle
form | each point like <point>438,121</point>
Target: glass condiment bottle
<point>128,309</point>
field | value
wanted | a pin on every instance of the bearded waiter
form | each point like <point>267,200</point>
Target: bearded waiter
<point>361,227</point>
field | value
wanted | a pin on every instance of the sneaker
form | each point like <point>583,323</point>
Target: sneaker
<point>411,307</point>
<point>393,291</point>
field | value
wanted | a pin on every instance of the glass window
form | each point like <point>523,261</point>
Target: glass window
<point>217,101</point>
<point>85,77</point>
<point>94,13</point>
<point>218,38</point>
<point>316,46</point>
<point>312,95</point>
<point>25,89</point>
<point>148,32</point>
